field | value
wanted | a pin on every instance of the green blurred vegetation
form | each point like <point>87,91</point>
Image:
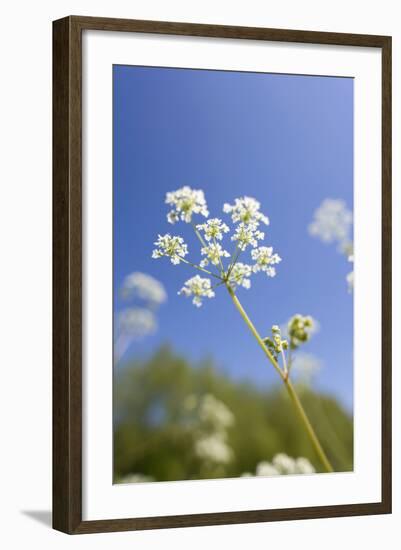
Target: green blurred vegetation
<point>153,434</point>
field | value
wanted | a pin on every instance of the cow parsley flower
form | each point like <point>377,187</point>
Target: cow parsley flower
<point>185,202</point>
<point>247,234</point>
<point>240,275</point>
<point>213,252</point>
<point>246,210</point>
<point>173,247</point>
<point>213,229</point>
<point>198,287</point>
<point>265,258</point>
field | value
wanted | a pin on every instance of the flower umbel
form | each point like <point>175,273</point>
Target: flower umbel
<point>247,234</point>
<point>245,213</point>
<point>240,275</point>
<point>246,210</point>
<point>265,258</point>
<point>173,247</point>
<point>198,287</point>
<point>185,202</point>
<point>213,229</point>
<point>213,252</point>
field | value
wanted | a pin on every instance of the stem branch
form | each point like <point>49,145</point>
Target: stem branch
<point>290,388</point>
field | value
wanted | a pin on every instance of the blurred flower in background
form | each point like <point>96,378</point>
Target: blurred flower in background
<point>332,223</point>
<point>136,478</point>
<point>139,320</point>
<point>144,287</point>
<point>282,464</point>
<point>211,423</point>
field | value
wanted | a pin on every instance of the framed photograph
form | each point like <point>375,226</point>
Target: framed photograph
<point>222,274</point>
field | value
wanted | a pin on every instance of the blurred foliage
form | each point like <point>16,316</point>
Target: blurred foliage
<point>153,434</point>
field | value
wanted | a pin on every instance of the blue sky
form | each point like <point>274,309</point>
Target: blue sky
<point>286,140</point>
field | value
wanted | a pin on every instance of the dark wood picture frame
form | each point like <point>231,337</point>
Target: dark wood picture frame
<point>67,274</point>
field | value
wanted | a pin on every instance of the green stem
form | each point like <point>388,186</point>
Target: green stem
<point>200,268</point>
<point>236,254</point>
<point>201,239</point>
<point>308,426</point>
<point>220,261</point>
<point>290,388</point>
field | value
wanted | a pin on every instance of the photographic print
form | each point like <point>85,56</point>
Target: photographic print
<point>232,274</point>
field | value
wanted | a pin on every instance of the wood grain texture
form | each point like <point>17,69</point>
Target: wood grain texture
<point>67,273</point>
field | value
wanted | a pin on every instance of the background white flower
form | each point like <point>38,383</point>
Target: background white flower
<point>283,464</point>
<point>246,210</point>
<point>136,322</point>
<point>213,229</point>
<point>332,221</point>
<point>198,287</point>
<point>173,247</point>
<point>215,412</point>
<point>144,287</point>
<point>135,478</point>
<point>213,448</point>
<point>185,202</point>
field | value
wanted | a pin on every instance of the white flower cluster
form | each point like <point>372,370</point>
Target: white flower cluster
<point>215,413</point>
<point>247,234</point>
<point>139,319</point>
<point>213,448</point>
<point>265,259</point>
<point>212,420</point>
<point>144,287</point>
<point>213,252</point>
<point>136,322</point>
<point>213,229</point>
<point>332,221</point>
<point>135,478</point>
<point>198,287</point>
<point>283,464</point>
<point>173,247</point>
<point>185,202</point>
<point>246,214</point>
<point>247,211</point>
<point>240,275</point>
